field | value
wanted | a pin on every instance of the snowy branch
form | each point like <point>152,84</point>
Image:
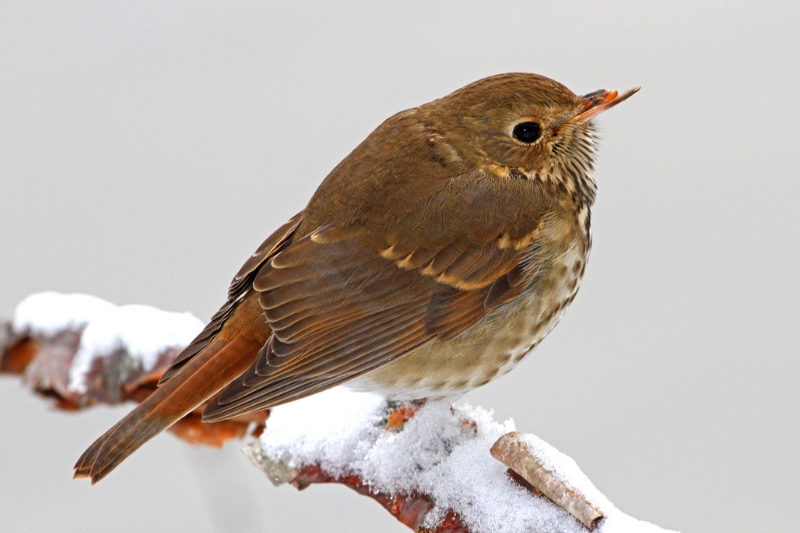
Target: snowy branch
<point>435,467</point>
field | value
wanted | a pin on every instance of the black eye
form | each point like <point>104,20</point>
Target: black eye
<point>527,132</point>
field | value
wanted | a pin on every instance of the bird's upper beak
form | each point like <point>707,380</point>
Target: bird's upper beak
<point>599,101</point>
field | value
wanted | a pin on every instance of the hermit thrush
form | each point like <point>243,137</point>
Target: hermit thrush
<point>429,261</point>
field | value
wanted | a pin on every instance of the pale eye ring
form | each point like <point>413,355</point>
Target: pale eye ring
<point>527,132</point>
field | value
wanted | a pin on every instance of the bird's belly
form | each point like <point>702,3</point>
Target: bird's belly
<point>490,348</point>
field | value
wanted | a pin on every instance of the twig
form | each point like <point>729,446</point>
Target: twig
<point>512,450</point>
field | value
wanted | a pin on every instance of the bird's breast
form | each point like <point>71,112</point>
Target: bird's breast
<point>496,343</point>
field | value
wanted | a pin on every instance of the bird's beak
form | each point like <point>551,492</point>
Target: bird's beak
<point>599,101</point>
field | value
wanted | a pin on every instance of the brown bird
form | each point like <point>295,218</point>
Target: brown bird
<point>431,260</point>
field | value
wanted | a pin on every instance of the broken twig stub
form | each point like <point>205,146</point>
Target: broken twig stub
<point>512,450</point>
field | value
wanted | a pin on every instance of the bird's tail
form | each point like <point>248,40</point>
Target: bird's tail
<point>204,375</point>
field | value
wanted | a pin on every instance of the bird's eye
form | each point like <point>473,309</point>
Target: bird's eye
<point>527,132</point>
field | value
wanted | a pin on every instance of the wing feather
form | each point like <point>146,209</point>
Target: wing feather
<point>340,304</point>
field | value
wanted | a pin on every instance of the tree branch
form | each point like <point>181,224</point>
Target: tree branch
<point>427,463</point>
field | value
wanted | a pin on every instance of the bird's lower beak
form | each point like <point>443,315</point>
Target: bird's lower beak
<point>599,101</point>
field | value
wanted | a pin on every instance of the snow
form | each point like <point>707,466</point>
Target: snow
<point>46,314</point>
<point>142,332</point>
<point>443,451</point>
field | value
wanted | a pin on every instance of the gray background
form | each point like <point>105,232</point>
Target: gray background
<point>146,150</point>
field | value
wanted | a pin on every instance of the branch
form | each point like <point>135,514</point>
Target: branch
<point>427,463</point>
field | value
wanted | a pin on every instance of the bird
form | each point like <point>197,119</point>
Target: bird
<point>429,261</point>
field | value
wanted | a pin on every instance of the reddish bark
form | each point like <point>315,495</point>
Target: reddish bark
<point>409,509</point>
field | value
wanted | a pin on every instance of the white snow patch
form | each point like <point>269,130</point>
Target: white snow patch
<point>438,452</point>
<point>46,314</point>
<point>143,332</point>
<point>333,429</point>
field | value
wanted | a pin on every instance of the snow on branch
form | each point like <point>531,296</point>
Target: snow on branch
<point>436,467</point>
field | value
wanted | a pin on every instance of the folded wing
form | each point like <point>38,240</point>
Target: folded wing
<point>340,304</point>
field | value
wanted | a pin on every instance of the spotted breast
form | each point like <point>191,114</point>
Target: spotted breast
<point>508,333</point>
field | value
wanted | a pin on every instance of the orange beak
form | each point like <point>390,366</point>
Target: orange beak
<point>599,101</point>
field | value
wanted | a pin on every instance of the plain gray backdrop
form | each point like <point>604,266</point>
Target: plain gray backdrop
<point>147,148</point>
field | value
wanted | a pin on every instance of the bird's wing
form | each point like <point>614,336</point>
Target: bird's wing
<point>341,302</point>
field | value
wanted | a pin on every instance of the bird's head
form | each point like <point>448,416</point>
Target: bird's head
<point>524,126</point>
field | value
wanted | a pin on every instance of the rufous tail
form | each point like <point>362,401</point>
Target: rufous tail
<point>204,375</point>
